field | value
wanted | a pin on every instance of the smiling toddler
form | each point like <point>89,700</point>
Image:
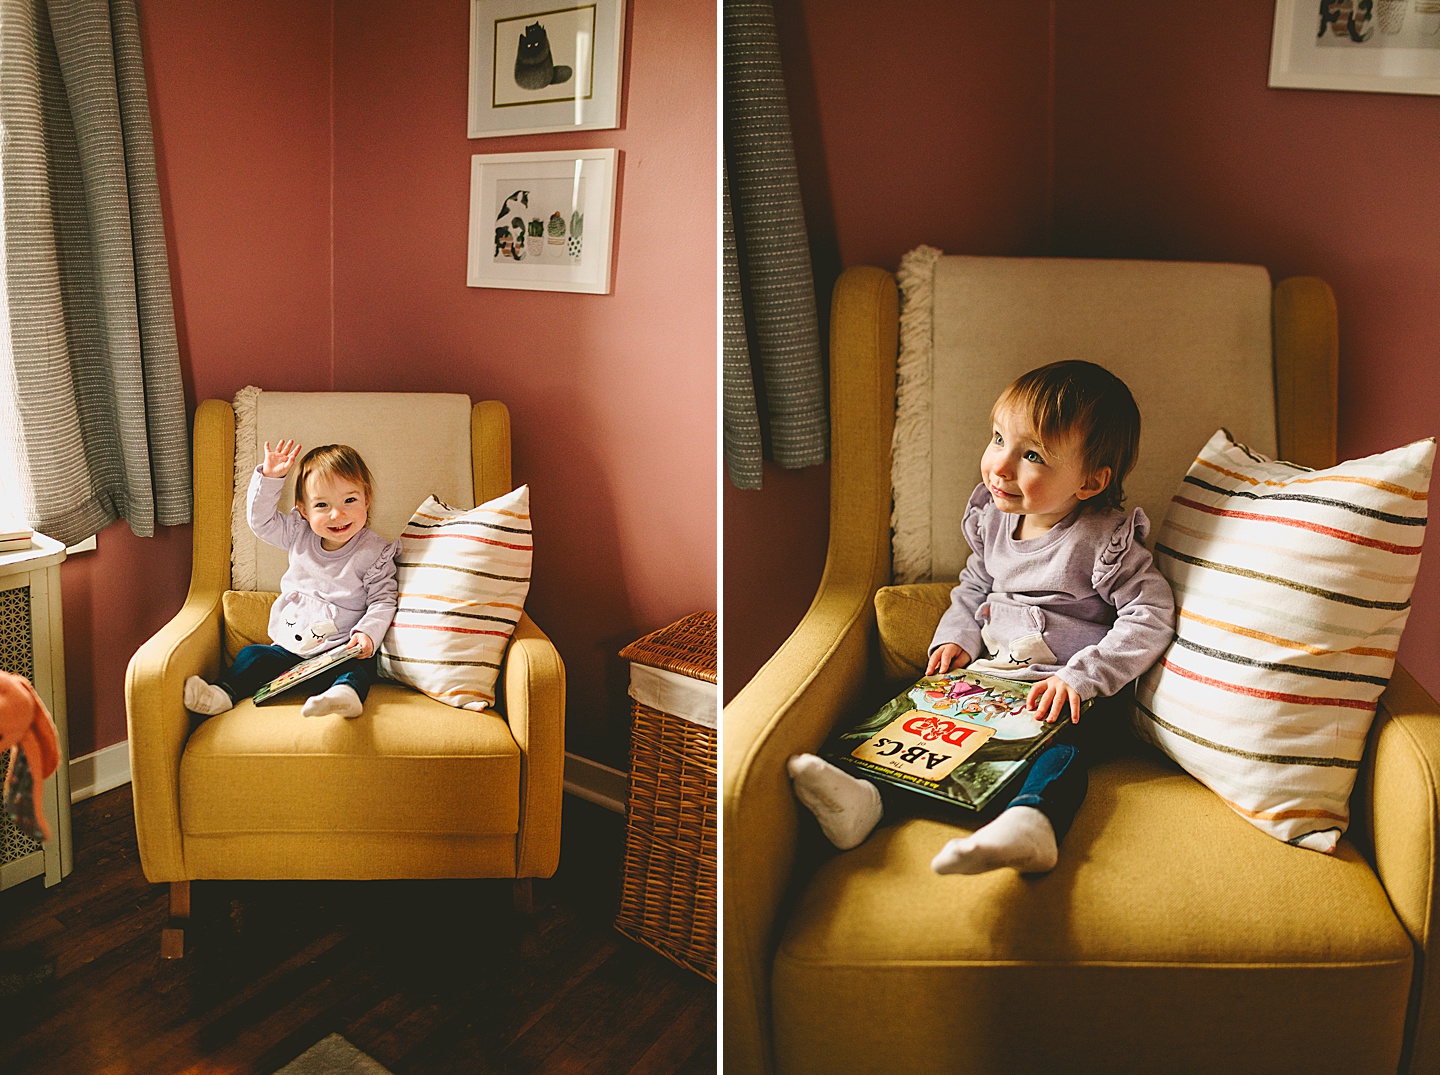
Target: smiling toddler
<point>339,588</point>
<point>1060,591</point>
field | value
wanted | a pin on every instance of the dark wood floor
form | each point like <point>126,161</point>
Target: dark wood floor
<point>425,976</point>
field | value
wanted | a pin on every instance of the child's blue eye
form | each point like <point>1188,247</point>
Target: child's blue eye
<point>999,441</point>
<point>1034,457</point>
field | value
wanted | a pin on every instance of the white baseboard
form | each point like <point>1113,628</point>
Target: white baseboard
<point>92,774</point>
<point>596,783</point>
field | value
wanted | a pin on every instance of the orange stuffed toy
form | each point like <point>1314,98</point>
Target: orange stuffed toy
<point>28,732</point>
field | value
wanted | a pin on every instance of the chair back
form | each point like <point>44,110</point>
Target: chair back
<point>415,444</point>
<point>1191,340</point>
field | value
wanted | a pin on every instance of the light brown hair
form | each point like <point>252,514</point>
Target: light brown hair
<point>333,461</point>
<point>1082,400</point>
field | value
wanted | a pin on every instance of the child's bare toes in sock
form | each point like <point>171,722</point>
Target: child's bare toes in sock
<point>205,698</point>
<point>846,807</point>
<point>339,700</point>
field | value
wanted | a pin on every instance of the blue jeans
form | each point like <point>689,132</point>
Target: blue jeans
<point>1056,785</point>
<point>256,666</point>
<point>1059,776</point>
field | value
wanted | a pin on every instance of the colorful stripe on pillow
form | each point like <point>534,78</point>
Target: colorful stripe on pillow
<point>463,575</point>
<point>1292,588</point>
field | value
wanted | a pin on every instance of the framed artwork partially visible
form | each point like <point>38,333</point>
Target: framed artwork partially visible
<point>541,66</point>
<point>542,221</point>
<point>1380,46</point>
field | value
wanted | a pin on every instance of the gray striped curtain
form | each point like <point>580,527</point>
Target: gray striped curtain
<point>769,318</point>
<point>92,410</point>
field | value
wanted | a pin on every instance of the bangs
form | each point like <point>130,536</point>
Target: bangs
<point>1049,416</point>
<point>336,461</point>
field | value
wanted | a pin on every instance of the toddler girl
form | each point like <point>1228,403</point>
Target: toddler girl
<point>1060,591</point>
<point>340,585</point>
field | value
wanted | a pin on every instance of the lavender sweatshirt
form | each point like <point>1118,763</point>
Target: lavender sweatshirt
<point>324,596</point>
<point>1083,601</point>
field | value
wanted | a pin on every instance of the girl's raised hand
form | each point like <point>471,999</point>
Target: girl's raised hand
<point>279,459</point>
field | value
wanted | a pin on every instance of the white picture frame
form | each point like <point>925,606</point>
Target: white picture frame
<point>567,196</point>
<point>509,60</point>
<point>1374,46</point>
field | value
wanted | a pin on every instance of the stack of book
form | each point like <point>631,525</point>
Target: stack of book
<point>15,537</point>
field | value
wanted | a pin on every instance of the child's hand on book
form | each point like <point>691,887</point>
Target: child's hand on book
<point>1049,698</point>
<point>361,639</point>
<point>946,657</point>
<point>279,459</point>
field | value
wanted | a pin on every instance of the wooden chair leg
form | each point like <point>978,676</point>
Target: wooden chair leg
<point>172,937</point>
<point>524,895</point>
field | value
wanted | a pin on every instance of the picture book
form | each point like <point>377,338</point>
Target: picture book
<point>305,670</point>
<point>964,737</point>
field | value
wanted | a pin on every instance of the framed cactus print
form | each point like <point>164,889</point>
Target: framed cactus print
<point>1380,46</point>
<point>541,66</point>
<point>542,221</point>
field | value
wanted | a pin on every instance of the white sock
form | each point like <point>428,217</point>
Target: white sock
<point>1021,837</point>
<point>846,807</point>
<point>205,698</point>
<point>339,699</point>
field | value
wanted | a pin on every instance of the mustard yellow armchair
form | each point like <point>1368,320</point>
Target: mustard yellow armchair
<point>413,788</point>
<point>1173,936</point>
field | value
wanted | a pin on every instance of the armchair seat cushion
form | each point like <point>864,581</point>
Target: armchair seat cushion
<point>1235,934</point>
<point>407,765</point>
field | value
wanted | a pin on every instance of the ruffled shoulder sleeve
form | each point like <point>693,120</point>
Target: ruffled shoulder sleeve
<point>384,565</point>
<point>1130,532</point>
<point>972,524</point>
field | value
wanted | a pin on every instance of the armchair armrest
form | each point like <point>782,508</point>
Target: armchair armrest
<point>189,645</point>
<point>794,700</point>
<point>535,708</point>
<point>788,708</point>
<point>159,725</point>
<point>1398,806</point>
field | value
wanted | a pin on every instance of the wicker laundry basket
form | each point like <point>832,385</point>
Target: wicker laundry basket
<point>669,896</point>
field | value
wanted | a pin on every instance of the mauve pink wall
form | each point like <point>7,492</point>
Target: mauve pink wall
<point>931,128</point>
<point>239,96</point>
<point>1170,145</point>
<point>1151,133</point>
<point>612,397</point>
<point>314,167</point>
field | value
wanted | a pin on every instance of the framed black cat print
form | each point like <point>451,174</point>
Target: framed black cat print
<point>539,67</point>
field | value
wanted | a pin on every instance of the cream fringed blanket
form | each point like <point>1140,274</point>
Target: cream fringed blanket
<point>243,562</point>
<point>910,461</point>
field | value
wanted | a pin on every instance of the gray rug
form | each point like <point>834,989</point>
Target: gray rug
<point>333,1056</point>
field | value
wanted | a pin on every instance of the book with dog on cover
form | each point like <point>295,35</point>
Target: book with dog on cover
<point>963,737</point>
<point>306,669</point>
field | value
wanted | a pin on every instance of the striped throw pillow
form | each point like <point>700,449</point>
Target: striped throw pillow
<point>463,575</point>
<point>1292,587</point>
